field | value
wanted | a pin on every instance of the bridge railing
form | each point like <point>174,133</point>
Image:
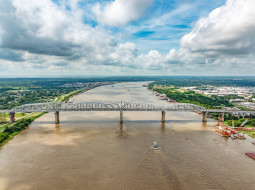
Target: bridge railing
<point>118,106</point>
<point>97,106</point>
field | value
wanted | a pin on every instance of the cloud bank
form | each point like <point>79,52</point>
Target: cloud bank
<point>44,36</point>
<point>228,30</point>
<point>225,38</point>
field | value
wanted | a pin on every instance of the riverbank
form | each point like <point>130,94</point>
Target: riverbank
<point>187,96</point>
<point>247,129</point>
<point>65,97</point>
<point>11,131</point>
<point>179,95</point>
<point>18,116</point>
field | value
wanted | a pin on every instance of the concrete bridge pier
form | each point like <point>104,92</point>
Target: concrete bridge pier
<point>56,117</point>
<point>12,117</point>
<point>121,117</point>
<point>230,116</point>
<point>163,117</point>
<point>204,116</point>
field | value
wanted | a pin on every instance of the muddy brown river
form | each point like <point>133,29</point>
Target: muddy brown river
<point>90,150</point>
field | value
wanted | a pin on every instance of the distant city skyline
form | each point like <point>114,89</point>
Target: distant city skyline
<point>127,37</point>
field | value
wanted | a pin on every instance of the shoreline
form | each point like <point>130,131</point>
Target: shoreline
<point>250,134</point>
<point>33,117</point>
<point>10,132</point>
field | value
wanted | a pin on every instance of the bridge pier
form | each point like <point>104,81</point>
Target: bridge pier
<point>12,117</point>
<point>56,117</point>
<point>121,116</point>
<point>163,117</point>
<point>204,116</point>
<point>230,116</point>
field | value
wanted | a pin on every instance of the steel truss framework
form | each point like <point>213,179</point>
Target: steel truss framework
<point>97,106</point>
<point>119,106</point>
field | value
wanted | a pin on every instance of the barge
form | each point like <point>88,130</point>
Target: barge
<point>223,131</point>
<point>251,154</point>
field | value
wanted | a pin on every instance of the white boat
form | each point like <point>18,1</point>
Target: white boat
<point>155,146</point>
<point>233,136</point>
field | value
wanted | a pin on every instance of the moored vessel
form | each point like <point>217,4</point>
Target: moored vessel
<point>251,154</point>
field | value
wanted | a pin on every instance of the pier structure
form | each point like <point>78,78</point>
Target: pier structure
<point>230,115</point>
<point>12,116</point>
<point>121,117</point>
<point>204,116</point>
<point>56,117</point>
<point>163,116</point>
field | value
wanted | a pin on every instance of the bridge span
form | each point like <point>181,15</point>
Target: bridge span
<point>121,106</point>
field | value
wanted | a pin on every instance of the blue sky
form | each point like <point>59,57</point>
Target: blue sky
<point>126,37</point>
<point>163,23</point>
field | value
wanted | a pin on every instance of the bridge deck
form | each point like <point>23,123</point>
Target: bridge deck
<point>118,106</point>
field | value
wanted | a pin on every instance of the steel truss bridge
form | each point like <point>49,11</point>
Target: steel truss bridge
<point>121,106</point>
<point>97,106</point>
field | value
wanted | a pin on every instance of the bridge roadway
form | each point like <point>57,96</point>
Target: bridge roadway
<point>121,106</point>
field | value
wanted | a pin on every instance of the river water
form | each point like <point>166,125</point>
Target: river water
<point>90,150</point>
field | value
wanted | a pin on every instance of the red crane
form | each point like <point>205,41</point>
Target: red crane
<point>219,119</point>
<point>243,124</point>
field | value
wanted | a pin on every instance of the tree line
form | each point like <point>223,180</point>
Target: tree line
<point>10,131</point>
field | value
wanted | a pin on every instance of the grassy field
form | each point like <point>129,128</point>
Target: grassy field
<point>250,133</point>
<point>70,95</point>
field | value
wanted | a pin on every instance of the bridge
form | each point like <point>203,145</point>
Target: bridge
<point>121,106</point>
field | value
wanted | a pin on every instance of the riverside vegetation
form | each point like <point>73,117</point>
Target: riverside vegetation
<point>15,92</point>
<point>188,96</point>
<point>19,91</point>
<point>10,131</point>
<point>214,102</point>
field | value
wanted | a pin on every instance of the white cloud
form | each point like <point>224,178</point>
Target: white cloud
<point>42,27</point>
<point>48,37</point>
<point>221,44</point>
<point>121,12</point>
<point>124,54</point>
<point>228,30</point>
<point>38,36</point>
